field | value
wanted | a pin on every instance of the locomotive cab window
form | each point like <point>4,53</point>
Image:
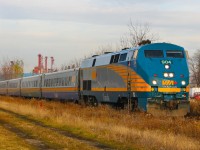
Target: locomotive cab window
<point>123,57</point>
<point>174,54</point>
<point>112,59</point>
<point>94,61</point>
<point>116,58</point>
<point>153,53</point>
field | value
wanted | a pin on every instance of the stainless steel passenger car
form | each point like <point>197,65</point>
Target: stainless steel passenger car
<point>31,86</point>
<point>14,87</point>
<point>61,85</point>
<point>3,87</point>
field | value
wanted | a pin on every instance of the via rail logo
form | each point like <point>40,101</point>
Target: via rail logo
<point>168,82</point>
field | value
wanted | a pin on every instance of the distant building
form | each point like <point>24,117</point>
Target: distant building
<point>28,74</point>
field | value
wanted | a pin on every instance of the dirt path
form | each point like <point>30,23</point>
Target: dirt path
<point>40,144</point>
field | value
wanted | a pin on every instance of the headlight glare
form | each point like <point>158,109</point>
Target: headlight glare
<point>154,82</point>
<point>183,82</point>
<point>166,66</point>
<point>166,75</point>
<point>171,75</point>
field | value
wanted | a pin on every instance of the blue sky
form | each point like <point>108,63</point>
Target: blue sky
<point>69,29</point>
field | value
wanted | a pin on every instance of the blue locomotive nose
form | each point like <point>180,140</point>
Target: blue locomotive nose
<point>164,67</point>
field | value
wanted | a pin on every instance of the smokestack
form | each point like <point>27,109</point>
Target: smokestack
<point>52,62</point>
<point>46,68</point>
<point>39,62</point>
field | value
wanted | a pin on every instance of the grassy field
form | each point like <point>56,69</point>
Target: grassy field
<point>52,125</point>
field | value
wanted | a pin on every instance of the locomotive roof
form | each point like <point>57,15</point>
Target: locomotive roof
<point>160,45</point>
<point>104,59</point>
<point>134,48</point>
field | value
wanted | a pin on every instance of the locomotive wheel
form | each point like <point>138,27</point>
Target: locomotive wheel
<point>93,102</point>
<point>134,104</point>
<point>122,103</point>
<point>90,101</point>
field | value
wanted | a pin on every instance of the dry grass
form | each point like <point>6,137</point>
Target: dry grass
<point>10,141</point>
<point>124,130</point>
<point>53,139</point>
<point>195,107</point>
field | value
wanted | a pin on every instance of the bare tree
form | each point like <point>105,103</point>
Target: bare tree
<point>125,41</point>
<point>139,33</point>
<point>194,63</point>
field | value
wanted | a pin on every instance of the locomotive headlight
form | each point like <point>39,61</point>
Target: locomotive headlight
<point>183,82</point>
<point>166,66</point>
<point>166,75</point>
<point>171,75</point>
<point>154,82</point>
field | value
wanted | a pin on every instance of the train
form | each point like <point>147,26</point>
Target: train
<point>153,78</point>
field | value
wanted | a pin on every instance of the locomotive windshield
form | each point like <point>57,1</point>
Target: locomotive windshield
<point>153,53</point>
<point>175,54</point>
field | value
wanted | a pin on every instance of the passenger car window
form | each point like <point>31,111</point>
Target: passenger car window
<point>153,53</point>
<point>94,61</point>
<point>174,54</point>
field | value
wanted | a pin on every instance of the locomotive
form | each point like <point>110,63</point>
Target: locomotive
<point>153,78</point>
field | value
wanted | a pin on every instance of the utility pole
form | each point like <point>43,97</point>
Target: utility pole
<point>129,87</point>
